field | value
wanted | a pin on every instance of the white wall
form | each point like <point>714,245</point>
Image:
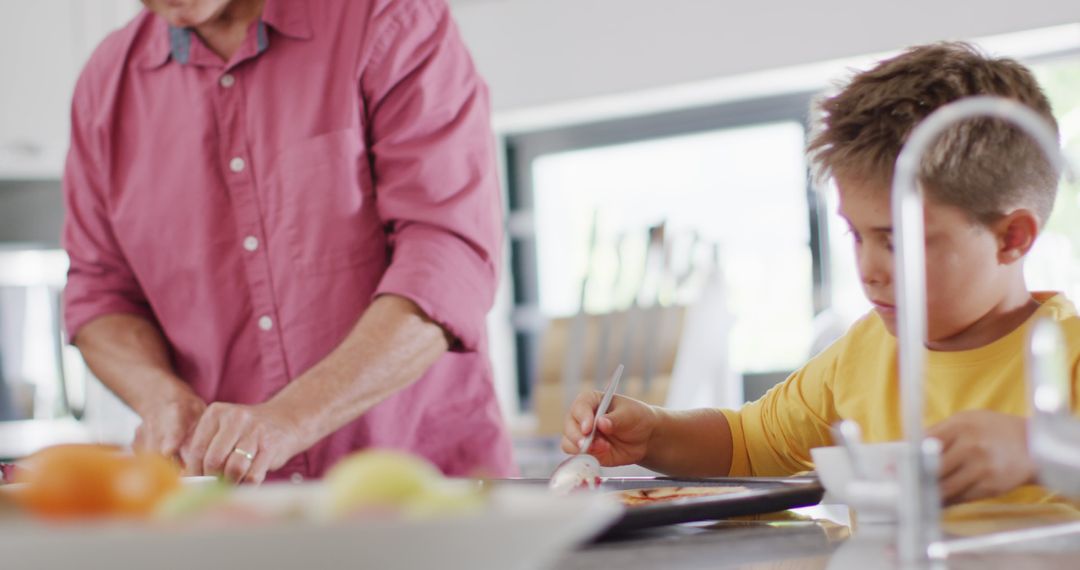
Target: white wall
<point>43,46</point>
<point>538,52</point>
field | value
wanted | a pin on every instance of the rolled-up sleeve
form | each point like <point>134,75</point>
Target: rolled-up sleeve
<point>99,280</point>
<point>434,167</point>
<point>773,436</point>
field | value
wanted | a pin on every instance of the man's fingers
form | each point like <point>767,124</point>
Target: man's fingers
<point>221,447</point>
<point>238,464</point>
<point>193,453</point>
<point>169,443</point>
<point>259,466</point>
<point>142,440</point>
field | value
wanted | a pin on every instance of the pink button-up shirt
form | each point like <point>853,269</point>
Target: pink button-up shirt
<point>253,209</point>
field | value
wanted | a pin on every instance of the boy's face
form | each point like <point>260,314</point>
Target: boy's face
<point>964,279</point>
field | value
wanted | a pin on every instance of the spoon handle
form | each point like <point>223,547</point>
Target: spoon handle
<point>609,392</point>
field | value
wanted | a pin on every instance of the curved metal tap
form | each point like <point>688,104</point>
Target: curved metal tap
<point>919,508</point>
<point>1053,432</point>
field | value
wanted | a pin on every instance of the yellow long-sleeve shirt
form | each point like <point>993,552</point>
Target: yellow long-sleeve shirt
<point>857,378</point>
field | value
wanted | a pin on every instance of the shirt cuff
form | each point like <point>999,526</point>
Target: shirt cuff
<point>740,459</point>
<point>77,313</point>
<point>450,282</point>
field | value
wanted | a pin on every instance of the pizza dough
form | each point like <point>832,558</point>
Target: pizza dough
<point>653,495</point>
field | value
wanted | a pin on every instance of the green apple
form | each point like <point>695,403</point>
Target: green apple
<point>445,498</point>
<point>378,479</point>
<point>194,499</point>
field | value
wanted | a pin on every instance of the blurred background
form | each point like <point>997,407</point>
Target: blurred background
<point>659,210</point>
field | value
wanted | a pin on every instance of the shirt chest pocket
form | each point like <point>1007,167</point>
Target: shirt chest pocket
<point>326,204</point>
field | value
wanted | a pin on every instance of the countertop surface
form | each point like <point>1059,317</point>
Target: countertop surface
<point>21,438</point>
<point>824,537</point>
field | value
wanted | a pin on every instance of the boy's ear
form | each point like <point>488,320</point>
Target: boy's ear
<point>1016,233</point>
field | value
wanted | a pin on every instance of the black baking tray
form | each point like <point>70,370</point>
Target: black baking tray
<point>763,495</point>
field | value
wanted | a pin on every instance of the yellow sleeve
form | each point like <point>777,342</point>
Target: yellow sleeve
<point>773,436</point>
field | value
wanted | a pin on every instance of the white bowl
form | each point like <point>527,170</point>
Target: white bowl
<point>882,464</point>
<point>522,529</point>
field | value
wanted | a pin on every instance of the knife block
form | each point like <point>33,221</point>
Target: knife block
<point>549,394</point>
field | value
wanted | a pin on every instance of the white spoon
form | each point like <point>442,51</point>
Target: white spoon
<point>582,471</point>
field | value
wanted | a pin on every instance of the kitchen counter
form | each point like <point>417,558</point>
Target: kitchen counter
<point>824,537</point>
<point>19,439</point>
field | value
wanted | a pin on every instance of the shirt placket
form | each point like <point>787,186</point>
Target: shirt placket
<point>236,163</point>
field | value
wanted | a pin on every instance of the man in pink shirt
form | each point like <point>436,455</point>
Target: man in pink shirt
<point>284,226</point>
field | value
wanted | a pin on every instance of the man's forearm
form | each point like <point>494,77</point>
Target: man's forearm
<point>693,443</point>
<point>129,355</point>
<point>390,347</point>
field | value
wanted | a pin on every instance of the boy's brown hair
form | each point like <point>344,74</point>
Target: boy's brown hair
<point>984,166</point>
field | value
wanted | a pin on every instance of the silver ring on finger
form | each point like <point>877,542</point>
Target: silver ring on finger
<point>245,454</point>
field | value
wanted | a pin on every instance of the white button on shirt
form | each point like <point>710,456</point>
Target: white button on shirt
<point>266,323</point>
<point>227,80</point>
<point>236,164</point>
<point>251,243</point>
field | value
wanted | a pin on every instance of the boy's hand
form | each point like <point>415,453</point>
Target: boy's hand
<point>625,429</point>
<point>984,454</point>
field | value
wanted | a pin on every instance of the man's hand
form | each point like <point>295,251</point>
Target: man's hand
<point>167,426</point>
<point>984,454</point>
<point>129,354</point>
<point>242,442</point>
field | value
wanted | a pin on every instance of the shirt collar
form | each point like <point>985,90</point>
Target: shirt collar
<point>159,46</point>
<point>288,17</point>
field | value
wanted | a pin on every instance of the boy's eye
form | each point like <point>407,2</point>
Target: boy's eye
<point>854,235</point>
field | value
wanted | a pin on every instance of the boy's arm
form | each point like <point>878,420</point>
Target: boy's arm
<point>773,436</point>
<point>693,443</point>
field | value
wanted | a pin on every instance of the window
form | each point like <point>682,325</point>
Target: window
<point>1054,263</point>
<point>730,180</point>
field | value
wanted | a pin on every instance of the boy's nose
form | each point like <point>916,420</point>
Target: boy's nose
<point>873,270</point>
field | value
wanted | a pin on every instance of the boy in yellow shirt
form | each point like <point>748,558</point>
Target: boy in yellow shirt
<point>989,191</point>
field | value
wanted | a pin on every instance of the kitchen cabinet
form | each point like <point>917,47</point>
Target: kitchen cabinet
<point>45,45</point>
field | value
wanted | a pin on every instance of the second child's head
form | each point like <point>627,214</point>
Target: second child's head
<point>988,188</point>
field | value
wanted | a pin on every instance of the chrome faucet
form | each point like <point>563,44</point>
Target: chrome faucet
<point>1053,441</point>
<point>1053,432</point>
<point>919,505</point>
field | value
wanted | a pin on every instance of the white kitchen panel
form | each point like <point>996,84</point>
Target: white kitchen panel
<point>45,44</point>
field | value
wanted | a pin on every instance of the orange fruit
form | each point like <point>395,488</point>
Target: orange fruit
<point>78,481</point>
<point>142,482</point>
